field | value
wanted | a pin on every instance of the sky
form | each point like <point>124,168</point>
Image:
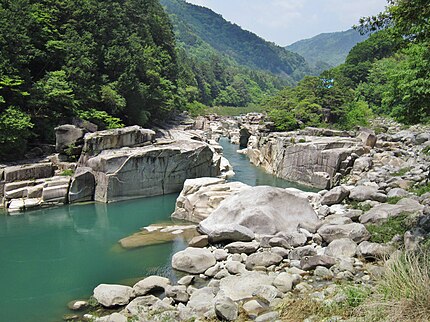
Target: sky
<point>287,21</point>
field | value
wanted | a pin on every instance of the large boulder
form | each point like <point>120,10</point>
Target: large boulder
<point>113,295</point>
<point>193,260</point>
<point>68,136</point>
<point>116,138</point>
<point>335,196</point>
<point>262,209</point>
<point>284,282</point>
<point>263,259</point>
<point>374,250</point>
<point>149,170</point>
<point>201,196</point>
<point>343,247</point>
<point>355,231</point>
<point>202,303</point>
<point>309,263</point>
<point>363,193</point>
<point>368,137</point>
<point>226,309</point>
<point>151,284</point>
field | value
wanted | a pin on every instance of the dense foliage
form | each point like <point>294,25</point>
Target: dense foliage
<point>224,65</point>
<point>388,74</point>
<point>111,62</point>
<point>247,49</point>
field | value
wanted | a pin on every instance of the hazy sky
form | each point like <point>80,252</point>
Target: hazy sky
<point>286,21</point>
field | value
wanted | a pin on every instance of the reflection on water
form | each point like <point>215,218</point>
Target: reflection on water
<point>49,257</point>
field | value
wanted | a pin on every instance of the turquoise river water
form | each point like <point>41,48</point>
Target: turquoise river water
<point>50,257</point>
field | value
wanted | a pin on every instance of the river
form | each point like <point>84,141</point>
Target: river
<point>52,256</point>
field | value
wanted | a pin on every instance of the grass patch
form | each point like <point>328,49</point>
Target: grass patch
<point>402,172</point>
<point>419,191</point>
<point>403,294</point>
<point>360,206</point>
<point>394,200</point>
<point>426,150</point>
<point>67,173</point>
<point>355,295</point>
<point>299,309</point>
<point>383,233</point>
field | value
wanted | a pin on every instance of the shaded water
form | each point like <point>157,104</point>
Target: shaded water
<point>252,175</point>
<point>50,257</point>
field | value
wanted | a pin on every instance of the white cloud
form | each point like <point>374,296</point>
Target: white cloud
<point>286,21</point>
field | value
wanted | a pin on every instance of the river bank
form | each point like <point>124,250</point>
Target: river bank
<point>75,253</point>
<point>261,246</point>
<point>294,243</point>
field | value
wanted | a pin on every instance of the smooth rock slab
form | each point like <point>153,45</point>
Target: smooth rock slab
<point>149,170</point>
<point>193,260</point>
<point>112,295</point>
<point>28,172</point>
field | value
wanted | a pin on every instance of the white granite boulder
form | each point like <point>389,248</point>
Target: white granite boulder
<point>193,260</point>
<point>112,295</point>
<point>262,209</point>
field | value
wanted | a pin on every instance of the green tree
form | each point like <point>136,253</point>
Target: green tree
<point>15,127</point>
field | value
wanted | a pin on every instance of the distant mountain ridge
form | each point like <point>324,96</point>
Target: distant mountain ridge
<point>327,49</point>
<point>197,26</point>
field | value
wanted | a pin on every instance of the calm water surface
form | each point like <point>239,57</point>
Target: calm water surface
<point>50,257</point>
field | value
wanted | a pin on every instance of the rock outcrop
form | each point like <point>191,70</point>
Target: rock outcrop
<point>263,210</point>
<point>201,196</point>
<point>127,163</point>
<point>310,160</point>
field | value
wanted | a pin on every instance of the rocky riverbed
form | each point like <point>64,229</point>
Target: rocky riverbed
<point>260,246</point>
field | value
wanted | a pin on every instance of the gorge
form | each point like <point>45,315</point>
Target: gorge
<point>77,248</point>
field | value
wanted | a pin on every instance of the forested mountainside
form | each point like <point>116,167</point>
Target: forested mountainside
<point>199,29</point>
<point>110,62</point>
<point>327,50</point>
<point>117,62</point>
<point>387,74</point>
